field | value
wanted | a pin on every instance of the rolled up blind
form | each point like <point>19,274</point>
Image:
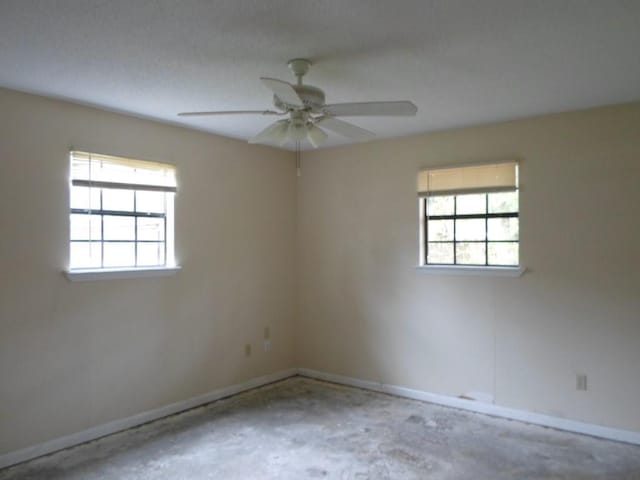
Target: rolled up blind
<point>104,171</point>
<point>496,177</point>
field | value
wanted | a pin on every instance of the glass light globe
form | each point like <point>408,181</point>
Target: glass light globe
<point>297,131</point>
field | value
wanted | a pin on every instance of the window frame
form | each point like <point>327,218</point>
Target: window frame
<point>486,216</point>
<point>475,177</point>
<point>134,270</point>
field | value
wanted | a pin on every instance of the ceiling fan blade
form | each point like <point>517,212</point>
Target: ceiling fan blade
<point>229,112</point>
<point>345,129</point>
<point>394,109</point>
<point>283,90</point>
<point>316,136</point>
<point>274,133</point>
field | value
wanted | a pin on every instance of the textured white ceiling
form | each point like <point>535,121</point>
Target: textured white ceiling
<point>461,62</point>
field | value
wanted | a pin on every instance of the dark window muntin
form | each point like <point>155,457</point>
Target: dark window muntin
<point>124,213</point>
<point>455,216</point>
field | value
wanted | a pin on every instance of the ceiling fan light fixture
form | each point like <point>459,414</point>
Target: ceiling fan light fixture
<point>280,133</point>
<point>297,131</point>
<point>316,136</point>
<point>276,133</point>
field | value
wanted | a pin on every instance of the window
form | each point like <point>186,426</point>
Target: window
<point>121,213</point>
<point>470,216</point>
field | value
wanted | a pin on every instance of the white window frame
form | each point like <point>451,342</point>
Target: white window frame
<point>461,269</point>
<point>131,271</point>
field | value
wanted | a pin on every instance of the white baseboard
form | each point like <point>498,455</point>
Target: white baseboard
<point>574,426</point>
<point>93,433</point>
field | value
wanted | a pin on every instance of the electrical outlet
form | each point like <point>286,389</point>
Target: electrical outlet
<point>267,345</point>
<point>247,350</point>
<point>581,382</point>
<point>267,333</point>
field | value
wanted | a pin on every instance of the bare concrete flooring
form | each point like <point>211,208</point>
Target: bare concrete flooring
<point>301,428</point>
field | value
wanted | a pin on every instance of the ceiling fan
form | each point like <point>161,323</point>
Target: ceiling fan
<point>305,114</point>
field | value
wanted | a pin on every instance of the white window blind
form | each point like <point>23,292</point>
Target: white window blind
<point>104,171</point>
<point>496,177</point>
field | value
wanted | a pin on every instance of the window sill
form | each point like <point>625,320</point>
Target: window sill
<point>473,270</point>
<point>87,275</point>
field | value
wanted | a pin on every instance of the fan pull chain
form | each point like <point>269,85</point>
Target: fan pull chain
<point>298,160</point>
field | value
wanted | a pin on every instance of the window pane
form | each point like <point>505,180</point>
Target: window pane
<point>150,228</point>
<point>503,253</point>
<point>85,227</point>
<point>470,253</point>
<point>150,254</point>
<point>440,230</point>
<point>505,202</point>
<point>470,229</point>
<point>119,254</point>
<point>440,205</point>
<point>475,203</point>
<point>119,228</point>
<point>85,198</point>
<point>85,255</point>
<point>113,199</point>
<point>440,253</point>
<point>150,202</point>
<point>502,229</point>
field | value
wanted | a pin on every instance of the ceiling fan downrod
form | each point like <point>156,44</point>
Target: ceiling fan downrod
<point>299,67</point>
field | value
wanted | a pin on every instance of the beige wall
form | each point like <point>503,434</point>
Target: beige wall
<point>75,355</point>
<point>366,312</point>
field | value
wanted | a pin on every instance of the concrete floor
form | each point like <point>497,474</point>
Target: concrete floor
<point>301,428</point>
